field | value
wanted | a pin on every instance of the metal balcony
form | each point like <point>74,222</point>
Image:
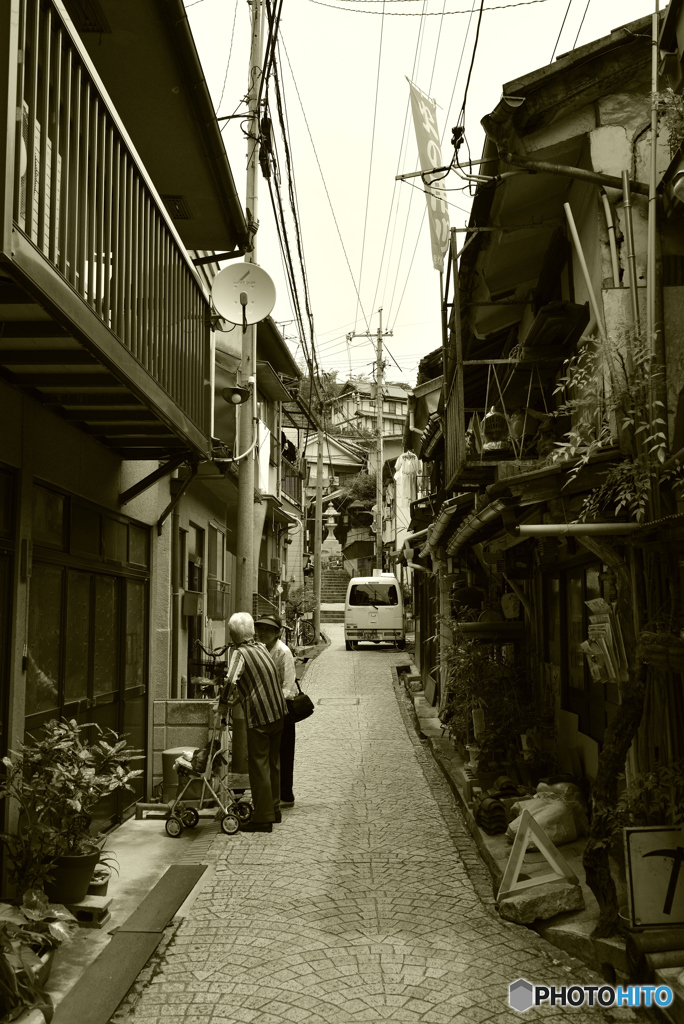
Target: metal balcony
<point>104,318</point>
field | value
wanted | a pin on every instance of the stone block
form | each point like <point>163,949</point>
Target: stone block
<point>157,765</point>
<point>187,712</point>
<point>187,736</point>
<point>160,712</point>
<point>159,737</point>
<point>542,902</point>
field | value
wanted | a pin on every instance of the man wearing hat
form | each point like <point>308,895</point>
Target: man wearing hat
<point>268,630</point>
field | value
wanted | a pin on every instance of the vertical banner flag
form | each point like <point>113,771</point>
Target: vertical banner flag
<point>430,152</point>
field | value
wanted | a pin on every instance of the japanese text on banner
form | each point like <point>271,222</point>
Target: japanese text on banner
<point>430,152</point>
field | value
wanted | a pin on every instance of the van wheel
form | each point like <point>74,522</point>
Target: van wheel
<point>401,645</point>
<point>347,644</point>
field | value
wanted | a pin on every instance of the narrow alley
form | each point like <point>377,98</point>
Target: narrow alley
<point>361,905</point>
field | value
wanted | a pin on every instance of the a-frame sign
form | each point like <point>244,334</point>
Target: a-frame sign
<point>561,869</point>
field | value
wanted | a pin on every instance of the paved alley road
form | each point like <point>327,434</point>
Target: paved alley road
<point>359,907</point>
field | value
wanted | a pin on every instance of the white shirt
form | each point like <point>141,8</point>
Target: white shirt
<point>285,666</point>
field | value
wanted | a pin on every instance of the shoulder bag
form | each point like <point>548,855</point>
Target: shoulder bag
<point>299,707</point>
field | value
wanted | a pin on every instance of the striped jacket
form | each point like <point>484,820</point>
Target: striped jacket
<point>252,671</point>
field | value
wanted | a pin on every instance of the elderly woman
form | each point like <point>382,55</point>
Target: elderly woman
<point>252,680</point>
<point>268,630</point>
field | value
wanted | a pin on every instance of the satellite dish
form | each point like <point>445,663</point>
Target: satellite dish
<point>237,283</point>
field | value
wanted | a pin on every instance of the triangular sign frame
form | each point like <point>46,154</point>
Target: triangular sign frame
<point>529,826</point>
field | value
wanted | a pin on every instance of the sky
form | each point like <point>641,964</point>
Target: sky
<point>365,237</point>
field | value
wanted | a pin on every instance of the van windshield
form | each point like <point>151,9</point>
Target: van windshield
<point>373,594</point>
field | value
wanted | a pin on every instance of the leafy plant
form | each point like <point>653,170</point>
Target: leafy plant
<point>652,798</point>
<point>299,600</point>
<point>57,781</point>
<point>611,400</point>
<point>26,932</point>
<point>480,676</point>
<point>671,117</point>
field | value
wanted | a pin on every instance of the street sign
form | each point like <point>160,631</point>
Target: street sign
<point>430,153</point>
<point>654,860</point>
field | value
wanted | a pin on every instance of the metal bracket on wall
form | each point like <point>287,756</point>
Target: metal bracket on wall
<point>176,498</point>
<point>152,478</point>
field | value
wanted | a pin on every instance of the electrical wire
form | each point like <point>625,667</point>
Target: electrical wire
<point>394,189</point>
<point>581,23</point>
<point>453,92</point>
<point>325,186</point>
<point>428,14</point>
<point>230,50</point>
<point>370,165</point>
<point>561,31</point>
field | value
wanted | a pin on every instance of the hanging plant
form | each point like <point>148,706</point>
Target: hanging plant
<point>612,404</point>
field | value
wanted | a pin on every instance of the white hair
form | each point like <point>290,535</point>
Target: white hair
<point>241,627</point>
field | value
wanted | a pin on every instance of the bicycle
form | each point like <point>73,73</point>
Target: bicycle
<point>302,634</point>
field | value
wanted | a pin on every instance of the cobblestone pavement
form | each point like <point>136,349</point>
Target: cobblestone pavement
<point>367,903</point>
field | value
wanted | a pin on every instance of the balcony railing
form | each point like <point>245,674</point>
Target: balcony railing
<point>291,482</point>
<point>81,195</point>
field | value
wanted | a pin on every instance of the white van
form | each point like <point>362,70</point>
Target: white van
<point>374,610</point>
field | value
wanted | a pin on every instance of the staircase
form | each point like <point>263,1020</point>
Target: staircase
<point>334,583</point>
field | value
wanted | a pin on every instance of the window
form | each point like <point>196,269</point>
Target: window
<point>216,554</point>
<point>48,518</point>
<point>365,594</point>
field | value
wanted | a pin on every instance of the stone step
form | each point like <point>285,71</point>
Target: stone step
<point>332,616</point>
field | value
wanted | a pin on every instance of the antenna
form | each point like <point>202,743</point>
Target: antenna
<point>243,293</point>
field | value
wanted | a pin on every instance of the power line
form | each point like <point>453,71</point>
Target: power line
<point>561,31</point>
<point>461,116</point>
<point>394,189</point>
<point>332,210</point>
<point>225,77</point>
<point>428,14</point>
<point>581,23</point>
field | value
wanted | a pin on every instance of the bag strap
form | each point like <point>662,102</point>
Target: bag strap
<point>298,686</point>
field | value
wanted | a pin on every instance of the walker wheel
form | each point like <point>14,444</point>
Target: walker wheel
<point>230,824</point>
<point>190,817</point>
<point>174,827</point>
<point>243,811</point>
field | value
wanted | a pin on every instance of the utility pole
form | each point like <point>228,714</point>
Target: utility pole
<point>380,520</point>
<point>318,536</point>
<point>248,413</point>
<point>380,367</point>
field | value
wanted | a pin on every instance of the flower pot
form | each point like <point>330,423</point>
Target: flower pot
<point>43,973</point>
<point>72,875</point>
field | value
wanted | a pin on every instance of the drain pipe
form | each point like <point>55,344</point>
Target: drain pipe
<point>611,237</point>
<point>592,177</point>
<point>631,255</point>
<point>175,601</point>
<point>585,271</point>
<point>573,529</point>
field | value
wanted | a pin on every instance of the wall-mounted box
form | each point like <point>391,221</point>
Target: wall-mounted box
<point>192,603</point>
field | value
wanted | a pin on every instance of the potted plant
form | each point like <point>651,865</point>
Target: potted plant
<point>494,757</point>
<point>29,935</point>
<point>57,781</point>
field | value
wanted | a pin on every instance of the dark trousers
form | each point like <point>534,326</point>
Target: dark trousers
<point>287,752</point>
<point>263,765</point>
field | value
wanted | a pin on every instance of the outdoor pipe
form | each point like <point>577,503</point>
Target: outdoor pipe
<point>611,238</point>
<point>585,270</point>
<point>175,601</point>
<point>631,255</point>
<point>591,177</point>
<point>573,529</point>
<point>475,523</point>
